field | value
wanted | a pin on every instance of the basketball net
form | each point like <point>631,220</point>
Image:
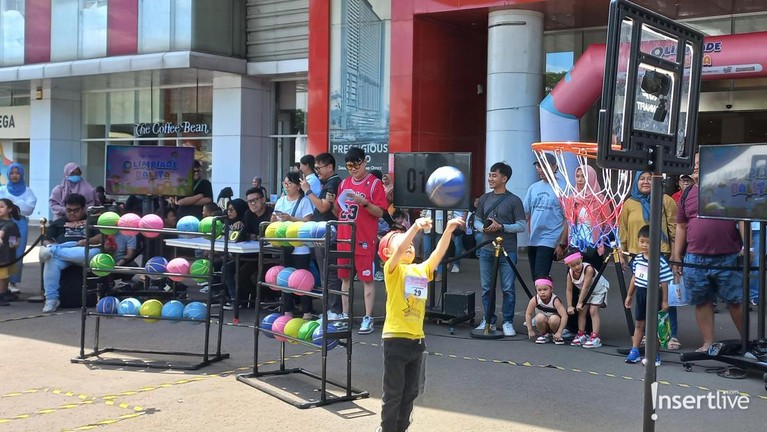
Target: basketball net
<point>592,208</point>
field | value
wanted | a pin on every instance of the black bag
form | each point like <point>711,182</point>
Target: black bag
<point>71,288</point>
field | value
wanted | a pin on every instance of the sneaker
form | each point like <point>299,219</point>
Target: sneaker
<point>508,329</point>
<point>559,341</point>
<point>633,356</point>
<point>543,339</point>
<point>45,253</point>
<point>481,326</point>
<point>657,360</point>
<point>379,276</point>
<point>205,288</point>
<point>51,305</point>
<point>342,320</point>
<point>13,289</point>
<point>579,339</point>
<point>228,306</point>
<point>367,326</point>
<point>593,342</point>
<point>567,334</point>
<point>754,303</point>
<point>455,269</point>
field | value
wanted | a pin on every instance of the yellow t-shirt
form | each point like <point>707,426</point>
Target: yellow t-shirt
<point>406,295</point>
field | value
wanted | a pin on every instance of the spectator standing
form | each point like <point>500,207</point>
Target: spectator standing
<point>684,182</point>
<point>73,183</point>
<point>22,197</point>
<point>256,183</point>
<point>306,165</point>
<point>202,193</point>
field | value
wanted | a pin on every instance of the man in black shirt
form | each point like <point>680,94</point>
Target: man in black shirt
<point>202,193</point>
<point>325,167</point>
<point>64,245</point>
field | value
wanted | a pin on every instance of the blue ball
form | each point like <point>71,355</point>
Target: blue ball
<point>306,230</point>
<point>266,323</point>
<point>173,309</point>
<point>318,231</point>
<point>108,305</point>
<point>195,311</point>
<point>446,186</point>
<point>156,264</point>
<point>129,306</point>
<point>188,223</point>
<point>317,336</point>
<point>284,275</point>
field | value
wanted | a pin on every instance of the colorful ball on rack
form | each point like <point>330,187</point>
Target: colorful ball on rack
<point>318,231</point>
<point>188,223</point>
<point>151,221</point>
<point>292,232</point>
<point>266,323</point>
<point>446,186</point>
<point>152,309</point>
<point>306,330</point>
<point>178,265</point>
<point>271,229</point>
<point>102,261</point>
<point>206,225</point>
<point>283,277</point>
<point>129,220</point>
<point>156,264</point>
<point>108,305</point>
<point>271,275</point>
<point>278,326</point>
<point>302,280</point>
<point>173,309</point>
<point>200,269</point>
<point>195,311</point>
<point>306,230</point>
<point>129,306</point>
<point>317,336</point>
<point>108,219</point>
<point>293,326</point>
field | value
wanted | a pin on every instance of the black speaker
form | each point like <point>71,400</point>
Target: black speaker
<point>459,304</point>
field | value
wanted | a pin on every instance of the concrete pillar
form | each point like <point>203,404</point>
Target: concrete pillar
<point>54,138</point>
<point>243,113</point>
<point>514,89</point>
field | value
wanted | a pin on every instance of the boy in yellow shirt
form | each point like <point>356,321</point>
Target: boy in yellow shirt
<point>406,295</point>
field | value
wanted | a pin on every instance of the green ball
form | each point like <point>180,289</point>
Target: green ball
<point>102,261</point>
<point>200,269</point>
<point>306,330</point>
<point>109,219</point>
<point>281,232</point>
<point>206,224</point>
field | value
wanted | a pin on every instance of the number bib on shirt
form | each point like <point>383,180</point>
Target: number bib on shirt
<point>416,287</point>
<point>641,272</point>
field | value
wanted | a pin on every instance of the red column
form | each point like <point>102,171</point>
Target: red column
<point>37,31</point>
<point>122,27</point>
<point>319,77</point>
<point>401,99</point>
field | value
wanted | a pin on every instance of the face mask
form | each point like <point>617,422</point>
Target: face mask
<point>75,179</point>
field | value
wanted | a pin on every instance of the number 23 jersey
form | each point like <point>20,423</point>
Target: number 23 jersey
<point>367,225</point>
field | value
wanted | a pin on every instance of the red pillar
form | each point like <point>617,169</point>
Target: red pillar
<point>319,77</point>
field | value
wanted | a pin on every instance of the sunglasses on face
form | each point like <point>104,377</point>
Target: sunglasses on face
<point>353,165</point>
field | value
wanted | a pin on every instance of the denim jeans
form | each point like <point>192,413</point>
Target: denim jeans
<point>505,276</point>
<point>427,249</point>
<point>404,374</point>
<point>540,258</point>
<point>62,256</point>
<point>23,225</point>
<point>458,244</point>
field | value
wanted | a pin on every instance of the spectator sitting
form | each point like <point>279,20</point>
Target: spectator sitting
<point>549,313</point>
<point>101,193</point>
<point>580,274</point>
<point>124,253</point>
<point>211,209</point>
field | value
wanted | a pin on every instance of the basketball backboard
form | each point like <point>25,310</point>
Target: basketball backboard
<point>650,91</point>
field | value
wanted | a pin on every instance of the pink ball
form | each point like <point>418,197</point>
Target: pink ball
<point>278,326</point>
<point>151,221</point>
<point>129,220</point>
<point>301,280</point>
<point>271,275</point>
<point>178,265</point>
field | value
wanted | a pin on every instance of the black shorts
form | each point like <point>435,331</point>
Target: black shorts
<point>640,303</point>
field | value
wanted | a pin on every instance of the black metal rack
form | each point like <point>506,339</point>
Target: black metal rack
<point>253,378</point>
<point>95,356</point>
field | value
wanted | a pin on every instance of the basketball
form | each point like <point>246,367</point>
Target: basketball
<point>293,326</point>
<point>206,225</point>
<point>173,309</point>
<point>270,230</point>
<point>151,221</point>
<point>129,220</point>
<point>108,305</point>
<point>195,311</point>
<point>302,280</point>
<point>266,323</point>
<point>292,232</point>
<point>306,229</point>
<point>283,277</point>
<point>280,232</point>
<point>200,268</point>
<point>306,330</point>
<point>156,264</point>
<point>271,275</point>
<point>188,223</point>
<point>102,261</point>
<point>446,186</point>
<point>278,326</point>
<point>178,265</point>
<point>152,309</point>
<point>318,231</point>
<point>129,307</point>
<point>108,219</point>
<point>317,336</point>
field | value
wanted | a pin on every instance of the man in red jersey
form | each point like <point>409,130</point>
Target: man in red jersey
<point>362,200</point>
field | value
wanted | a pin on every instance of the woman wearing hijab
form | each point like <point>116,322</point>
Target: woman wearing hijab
<point>635,215</point>
<point>73,183</point>
<point>235,212</point>
<point>17,191</point>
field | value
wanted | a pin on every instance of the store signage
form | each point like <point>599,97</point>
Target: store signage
<point>168,128</point>
<point>14,122</point>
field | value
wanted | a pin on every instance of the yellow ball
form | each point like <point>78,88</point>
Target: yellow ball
<point>293,326</point>
<point>292,232</point>
<point>271,230</point>
<point>151,308</point>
